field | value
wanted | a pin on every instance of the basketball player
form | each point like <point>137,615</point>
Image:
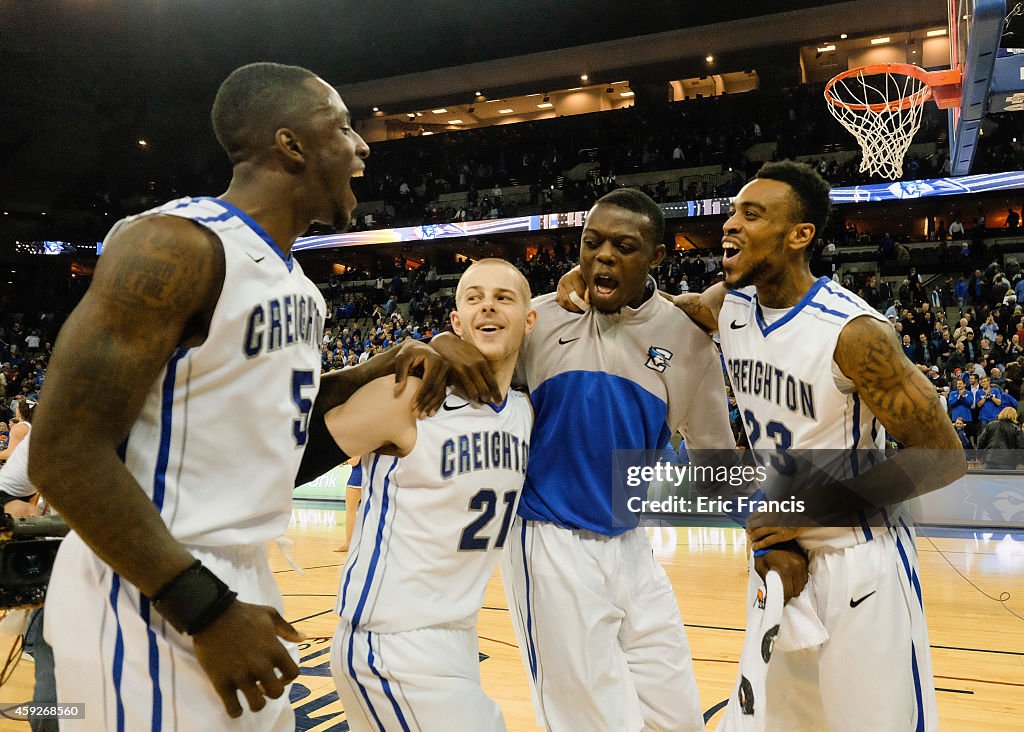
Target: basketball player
<point>874,671</point>
<point>20,426</point>
<point>439,499</point>
<point>178,405</point>
<point>15,487</point>
<point>595,616</point>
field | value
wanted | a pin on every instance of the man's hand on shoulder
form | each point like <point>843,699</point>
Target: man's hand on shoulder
<point>572,294</point>
<point>703,308</point>
<point>468,368</point>
<point>415,358</point>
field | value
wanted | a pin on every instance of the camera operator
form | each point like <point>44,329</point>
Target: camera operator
<point>15,493</point>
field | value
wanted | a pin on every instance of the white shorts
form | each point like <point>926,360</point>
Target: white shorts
<point>874,672</point>
<point>599,631</point>
<point>424,680</point>
<point>131,669</point>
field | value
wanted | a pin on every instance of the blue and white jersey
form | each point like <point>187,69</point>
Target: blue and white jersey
<point>432,524</point>
<point>220,436</point>
<point>791,393</point>
<point>604,382</point>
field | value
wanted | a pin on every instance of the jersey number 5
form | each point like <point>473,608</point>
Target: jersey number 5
<point>486,500</point>
<point>301,380</point>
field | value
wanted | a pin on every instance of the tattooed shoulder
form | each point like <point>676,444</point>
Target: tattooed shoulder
<point>896,391</point>
<point>159,261</point>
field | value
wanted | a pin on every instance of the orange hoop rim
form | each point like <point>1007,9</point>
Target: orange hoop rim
<point>931,79</point>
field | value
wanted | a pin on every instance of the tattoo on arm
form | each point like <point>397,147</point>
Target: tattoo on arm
<point>893,388</point>
<point>703,308</point>
<point>144,277</point>
<point>154,278</point>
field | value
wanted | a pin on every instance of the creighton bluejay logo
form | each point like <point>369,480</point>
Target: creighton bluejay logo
<point>658,358</point>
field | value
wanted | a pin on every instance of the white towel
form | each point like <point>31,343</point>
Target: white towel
<point>801,627</point>
<point>771,628</point>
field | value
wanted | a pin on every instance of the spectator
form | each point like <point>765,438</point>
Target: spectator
<point>961,433</point>
<point>988,400</point>
<point>956,229</point>
<point>909,349</point>
<point>985,349</point>
<point>1000,349</point>
<point>1012,219</point>
<point>970,347</point>
<point>960,402</point>
<point>1002,442</point>
<point>1015,377</point>
<point>924,351</point>
<point>957,360</point>
<point>960,289</point>
<point>935,377</point>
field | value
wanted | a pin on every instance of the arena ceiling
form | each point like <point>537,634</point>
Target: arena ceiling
<point>345,40</point>
<point>83,80</point>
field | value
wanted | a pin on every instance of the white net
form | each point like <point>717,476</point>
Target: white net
<point>883,111</point>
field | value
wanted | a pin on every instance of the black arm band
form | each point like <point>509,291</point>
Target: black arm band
<point>193,599</point>
<point>322,452</point>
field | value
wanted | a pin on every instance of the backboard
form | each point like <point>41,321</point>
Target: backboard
<point>983,45</point>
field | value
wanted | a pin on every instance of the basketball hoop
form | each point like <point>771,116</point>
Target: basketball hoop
<point>881,105</point>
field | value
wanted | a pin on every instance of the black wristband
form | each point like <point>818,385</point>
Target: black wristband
<point>193,599</point>
<point>322,452</point>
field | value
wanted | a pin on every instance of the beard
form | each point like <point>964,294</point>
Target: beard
<point>755,272</point>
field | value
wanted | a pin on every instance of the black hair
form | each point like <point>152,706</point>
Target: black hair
<point>254,102</point>
<point>27,408</point>
<point>635,200</point>
<point>810,191</point>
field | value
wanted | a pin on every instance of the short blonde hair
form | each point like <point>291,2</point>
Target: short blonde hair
<point>1009,414</point>
<point>524,285</point>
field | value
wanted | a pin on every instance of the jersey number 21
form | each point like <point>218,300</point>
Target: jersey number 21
<point>486,501</point>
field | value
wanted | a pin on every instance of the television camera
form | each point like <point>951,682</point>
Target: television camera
<point>28,547</point>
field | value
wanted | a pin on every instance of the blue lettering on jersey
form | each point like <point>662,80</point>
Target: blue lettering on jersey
<point>254,332</point>
<point>763,380</point>
<point>289,319</point>
<point>293,319</point>
<point>484,451</point>
<point>274,337</point>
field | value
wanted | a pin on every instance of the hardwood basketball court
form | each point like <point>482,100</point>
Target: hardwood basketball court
<point>977,645</point>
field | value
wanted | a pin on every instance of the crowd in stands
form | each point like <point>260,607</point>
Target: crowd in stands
<point>975,360</point>
<point>405,178</point>
<point>24,355</point>
<point>408,175</point>
<point>965,333</point>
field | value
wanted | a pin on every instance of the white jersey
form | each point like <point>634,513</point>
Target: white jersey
<point>14,473</point>
<point>791,393</point>
<point>432,524</point>
<point>220,436</point>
